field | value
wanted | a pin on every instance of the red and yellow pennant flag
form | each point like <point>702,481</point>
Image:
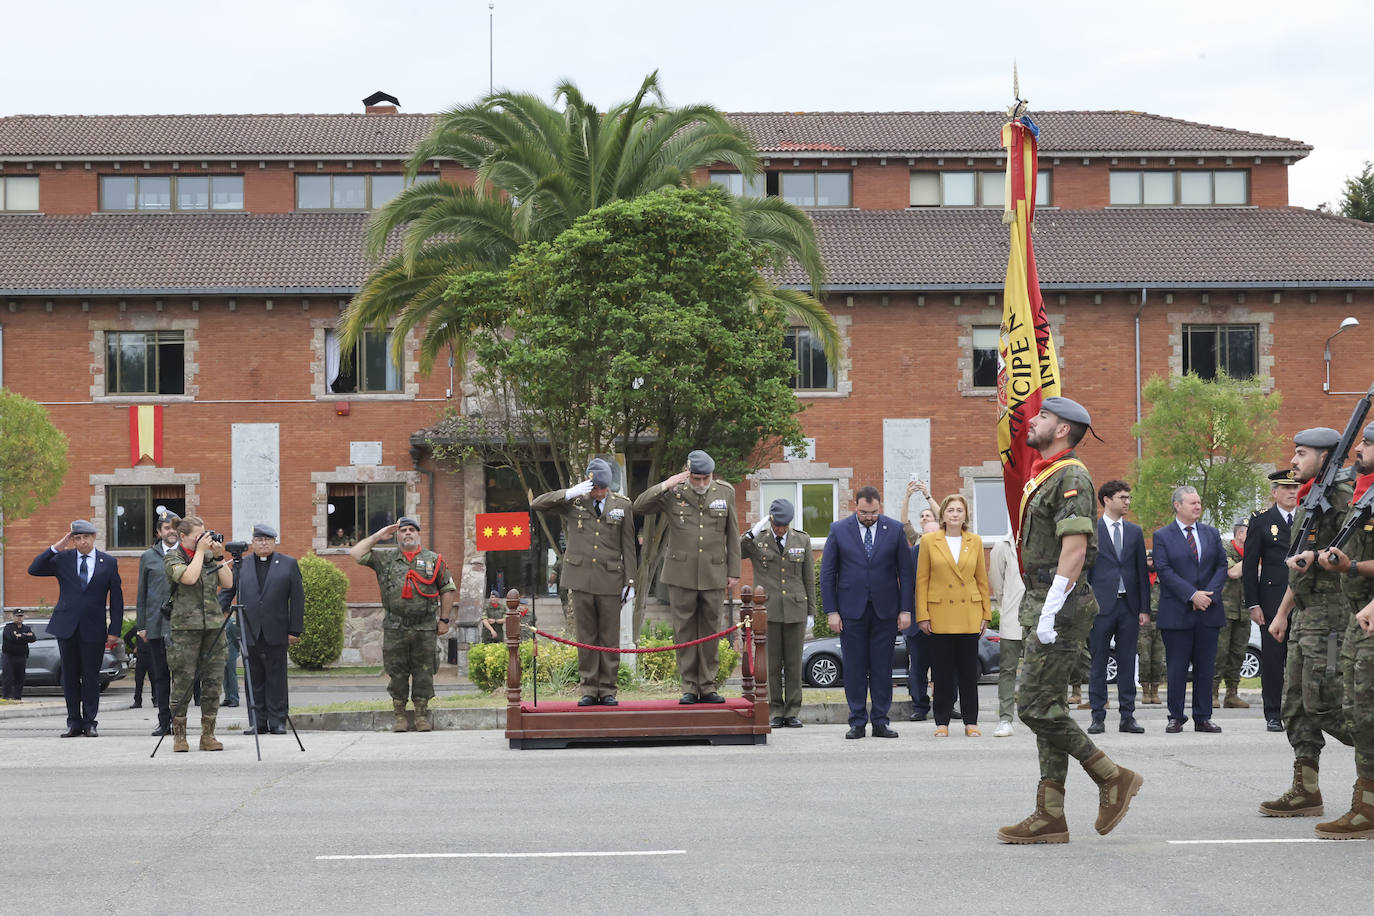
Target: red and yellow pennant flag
<point>1027,368</point>
<point>145,433</point>
<point>503,531</point>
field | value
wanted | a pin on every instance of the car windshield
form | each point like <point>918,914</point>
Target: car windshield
<point>39,627</point>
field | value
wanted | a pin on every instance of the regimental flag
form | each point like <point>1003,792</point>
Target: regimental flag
<point>1027,369</point>
<point>503,531</point>
<point>145,433</point>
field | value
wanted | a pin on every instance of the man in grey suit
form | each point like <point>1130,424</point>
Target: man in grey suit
<point>270,590</point>
<point>784,567</point>
<point>1121,584</point>
<point>153,628</point>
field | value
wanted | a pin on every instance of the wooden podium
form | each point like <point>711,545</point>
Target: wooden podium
<point>742,720</point>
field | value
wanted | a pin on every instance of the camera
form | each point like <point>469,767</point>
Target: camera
<point>215,536</point>
<point>236,548</point>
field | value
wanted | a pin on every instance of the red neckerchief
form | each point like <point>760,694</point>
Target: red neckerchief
<point>1041,463</point>
<point>1240,547</point>
<point>1305,488</point>
<point>1362,484</point>
<point>415,577</point>
<point>1154,577</point>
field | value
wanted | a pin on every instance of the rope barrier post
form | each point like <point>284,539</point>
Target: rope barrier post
<point>746,664</point>
<point>513,604</point>
<point>759,634</point>
<point>513,662</point>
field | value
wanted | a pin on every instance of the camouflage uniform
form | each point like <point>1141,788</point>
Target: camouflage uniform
<point>1357,657</point>
<point>1062,505</point>
<point>1235,633</point>
<point>1150,648</point>
<point>197,634</point>
<point>409,625</point>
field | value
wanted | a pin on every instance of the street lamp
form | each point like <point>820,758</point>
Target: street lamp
<point>1350,322</point>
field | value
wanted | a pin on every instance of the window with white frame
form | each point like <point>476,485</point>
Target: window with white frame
<point>815,189</point>
<point>171,192</point>
<point>990,519</point>
<point>1189,187</point>
<point>970,189</point>
<point>350,192</point>
<point>816,502</point>
<point>368,367</point>
<point>19,193</point>
<point>738,185</point>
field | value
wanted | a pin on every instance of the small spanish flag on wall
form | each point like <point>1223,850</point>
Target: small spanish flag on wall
<point>145,433</point>
<point>503,531</point>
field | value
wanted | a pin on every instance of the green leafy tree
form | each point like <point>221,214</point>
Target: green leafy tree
<point>1358,199</point>
<point>33,457</point>
<point>1211,435</point>
<point>326,588</point>
<point>537,169</point>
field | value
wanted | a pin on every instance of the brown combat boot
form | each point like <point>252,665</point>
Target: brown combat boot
<point>179,745</point>
<point>422,723</point>
<point>208,741</point>
<point>1154,699</point>
<point>401,723</point>
<point>1356,823</point>
<point>1116,786</point>
<point>1076,695</point>
<point>1233,700</point>
<point>1303,798</point>
<point>1046,823</point>
<point>1216,694</point>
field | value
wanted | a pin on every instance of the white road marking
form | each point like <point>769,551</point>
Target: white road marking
<point>1236,842</point>
<point>510,855</point>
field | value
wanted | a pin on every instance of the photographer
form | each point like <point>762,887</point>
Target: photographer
<point>196,571</point>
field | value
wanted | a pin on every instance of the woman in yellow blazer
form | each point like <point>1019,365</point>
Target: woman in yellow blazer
<point>952,605</point>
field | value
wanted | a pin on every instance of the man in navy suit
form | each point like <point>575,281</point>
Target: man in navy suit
<point>88,591</point>
<point>1192,569</point>
<point>1121,584</point>
<point>868,589</point>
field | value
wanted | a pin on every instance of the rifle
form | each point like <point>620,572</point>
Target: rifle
<point>1317,499</point>
<point>1360,512</point>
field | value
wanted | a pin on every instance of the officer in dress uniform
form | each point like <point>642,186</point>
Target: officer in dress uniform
<point>1264,579</point>
<point>785,567</point>
<point>598,571</point>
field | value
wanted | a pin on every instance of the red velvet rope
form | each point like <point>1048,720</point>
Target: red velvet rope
<point>636,651</point>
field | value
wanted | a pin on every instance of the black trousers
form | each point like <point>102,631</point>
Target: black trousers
<point>918,669</point>
<point>1273,660</point>
<point>267,676</point>
<point>141,667</point>
<point>954,665</point>
<point>159,679</point>
<point>1117,621</point>
<point>12,678</point>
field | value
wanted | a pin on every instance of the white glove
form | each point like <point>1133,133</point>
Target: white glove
<point>759,527</point>
<point>1044,627</point>
<point>582,489</point>
<point>627,594</point>
<point>810,621</point>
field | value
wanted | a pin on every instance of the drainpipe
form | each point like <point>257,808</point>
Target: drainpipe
<point>1139,448</point>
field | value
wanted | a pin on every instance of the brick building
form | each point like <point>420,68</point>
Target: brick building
<point>199,263</point>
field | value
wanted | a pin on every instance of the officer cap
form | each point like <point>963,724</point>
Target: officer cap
<point>781,512</point>
<point>81,526</point>
<point>168,517</point>
<point>1284,478</point>
<point>1067,409</point>
<point>599,470</point>
<point>1241,523</point>
<point>264,531</point>
<point>406,520</point>
<point>698,462</point>
<point>1318,437</point>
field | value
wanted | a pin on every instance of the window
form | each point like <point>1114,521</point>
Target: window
<point>970,189</point>
<point>1191,188</point>
<point>815,189</point>
<point>815,501</point>
<point>990,518</point>
<point>737,185</point>
<point>181,192</point>
<point>358,509</point>
<point>131,514</point>
<point>369,367</point>
<point>145,362</point>
<point>350,192</point>
<point>1210,350</point>
<point>19,193</point>
<point>813,369</point>
<point>985,345</point>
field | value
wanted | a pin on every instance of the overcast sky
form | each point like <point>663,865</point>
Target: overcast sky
<point>1298,70</point>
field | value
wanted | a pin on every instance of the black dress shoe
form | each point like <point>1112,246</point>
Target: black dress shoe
<point>1207,725</point>
<point>161,730</point>
<point>1131,727</point>
<point>90,732</point>
<point>278,729</point>
<point>956,714</point>
<point>609,701</point>
<point>688,699</point>
<point>792,722</point>
<point>260,730</point>
<point>1274,725</point>
<point>919,715</point>
<point>137,703</point>
<point>1098,727</point>
<point>855,731</point>
<point>711,697</point>
<point>882,731</point>
<point>230,703</point>
<point>588,701</point>
<point>1174,727</point>
<point>73,732</point>
<point>777,722</point>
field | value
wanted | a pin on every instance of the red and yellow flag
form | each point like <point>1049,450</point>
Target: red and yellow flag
<point>145,433</point>
<point>1027,369</point>
<point>503,531</point>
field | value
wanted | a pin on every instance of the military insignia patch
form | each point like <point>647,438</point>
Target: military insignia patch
<point>1070,494</point>
<point>717,504</point>
<point>616,515</point>
<point>1273,530</point>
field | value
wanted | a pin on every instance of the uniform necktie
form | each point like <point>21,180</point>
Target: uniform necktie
<point>1192,544</point>
<point>868,541</point>
<point>779,540</point>
<point>85,571</point>
<point>597,504</point>
<point>1288,518</point>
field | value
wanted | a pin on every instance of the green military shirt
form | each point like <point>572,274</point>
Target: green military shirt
<point>1064,504</point>
<point>788,578</point>
<point>417,612</point>
<point>1318,600</point>
<point>703,533</point>
<point>1232,600</point>
<point>194,607</point>
<point>600,555</point>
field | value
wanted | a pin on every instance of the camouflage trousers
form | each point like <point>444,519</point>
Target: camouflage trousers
<point>1312,682</point>
<point>1083,663</point>
<point>1149,650</point>
<point>1043,682</point>
<point>189,647</point>
<point>1231,644</point>
<point>409,660</point>
<point>1357,671</point>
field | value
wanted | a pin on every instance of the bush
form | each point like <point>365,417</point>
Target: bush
<point>661,667</point>
<point>487,665</point>
<point>557,665</point>
<point>326,588</point>
<point>820,629</point>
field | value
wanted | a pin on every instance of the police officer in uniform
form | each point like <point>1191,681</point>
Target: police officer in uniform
<point>15,648</point>
<point>785,567</point>
<point>702,547</point>
<point>416,589</point>
<point>1058,535</point>
<point>598,571</point>
<point>196,571</point>
<point>1264,580</point>
<point>1320,613</point>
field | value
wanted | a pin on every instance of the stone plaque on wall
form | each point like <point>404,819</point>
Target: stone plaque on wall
<point>906,451</point>
<point>364,453</point>
<point>256,479</point>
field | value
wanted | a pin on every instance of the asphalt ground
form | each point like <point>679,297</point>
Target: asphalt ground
<point>808,823</point>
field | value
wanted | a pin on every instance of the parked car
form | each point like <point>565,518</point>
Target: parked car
<point>822,665</point>
<point>45,664</point>
<point>1249,666</point>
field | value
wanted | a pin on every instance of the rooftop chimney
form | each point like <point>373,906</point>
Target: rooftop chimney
<point>380,103</point>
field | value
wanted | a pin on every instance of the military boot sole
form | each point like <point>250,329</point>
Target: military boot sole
<point>1333,831</point>
<point>1129,791</point>
<point>1316,810</point>
<point>1016,839</point>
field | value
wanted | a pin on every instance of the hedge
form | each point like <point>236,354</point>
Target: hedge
<point>326,588</point>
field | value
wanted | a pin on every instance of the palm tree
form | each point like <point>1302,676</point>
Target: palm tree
<point>537,170</point>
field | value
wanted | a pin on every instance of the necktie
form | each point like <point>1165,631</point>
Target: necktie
<point>1192,544</point>
<point>868,541</point>
<point>1116,540</point>
<point>597,504</point>
<point>1288,518</point>
<point>85,571</point>
<point>779,540</point>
